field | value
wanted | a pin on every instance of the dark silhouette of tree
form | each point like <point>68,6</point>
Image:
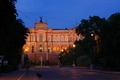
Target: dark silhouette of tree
<point>12,32</point>
<point>107,40</point>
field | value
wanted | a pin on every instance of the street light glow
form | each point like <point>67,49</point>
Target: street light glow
<point>25,48</point>
<point>62,50</point>
<point>74,45</point>
<point>91,34</point>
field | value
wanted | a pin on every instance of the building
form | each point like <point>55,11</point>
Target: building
<point>47,42</point>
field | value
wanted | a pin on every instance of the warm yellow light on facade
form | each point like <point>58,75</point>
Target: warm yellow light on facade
<point>62,50</point>
<point>25,48</point>
<point>73,45</point>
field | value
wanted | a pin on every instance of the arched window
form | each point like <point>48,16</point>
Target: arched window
<point>41,37</point>
<point>54,48</point>
<point>40,48</point>
<point>58,48</point>
<point>62,38</point>
<point>32,49</point>
<point>48,38</point>
<point>58,39</point>
<point>66,38</point>
<point>48,49</point>
<point>32,38</point>
<point>54,38</point>
<point>70,38</point>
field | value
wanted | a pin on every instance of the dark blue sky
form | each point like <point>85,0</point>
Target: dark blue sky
<point>64,13</point>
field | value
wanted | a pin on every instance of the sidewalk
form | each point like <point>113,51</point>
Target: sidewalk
<point>20,75</point>
<point>100,71</point>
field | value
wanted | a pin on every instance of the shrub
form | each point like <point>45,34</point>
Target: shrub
<point>7,68</point>
<point>83,61</point>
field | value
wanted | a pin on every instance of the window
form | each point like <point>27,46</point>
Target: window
<point>48,49</point>
<point>54,38</point>
<point>54,48</point>
<point>48,38</point>
<point>66,38</point>
<point>62,38</point>
<point>32,38</point>
<point>58,48</point>
<point>70,38</point>
<point>40,48</point>
<point>58,38</point>
<point>32,49</point>
<point>41,37</point>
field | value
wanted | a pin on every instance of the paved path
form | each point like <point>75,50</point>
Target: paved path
<point>20,75</point>
<point>75,74</point>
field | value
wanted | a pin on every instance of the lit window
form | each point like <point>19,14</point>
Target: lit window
<point>54,38</point>
<point>58,48</point>
<point>41,37</point>
<point>32,49</point>
<point>48,49</point>
<point>48,38</point>
<point>66,38</point>
<point>54,48</point>
<point>62,38</point>
<point>40,48</point>
<point>70,38</point>
<point>32,38</point>
<point>58,38</point>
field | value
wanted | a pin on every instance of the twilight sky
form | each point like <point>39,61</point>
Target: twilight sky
<point>62,14</point>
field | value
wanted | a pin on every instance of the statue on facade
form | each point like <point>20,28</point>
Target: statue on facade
<point>41,20</point>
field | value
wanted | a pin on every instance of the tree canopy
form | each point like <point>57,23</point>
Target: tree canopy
<point>107,40</point>
<point>13,32</point>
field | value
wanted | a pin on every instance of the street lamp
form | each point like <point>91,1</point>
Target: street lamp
<point>92,51</point>
<point>73,55</point>
<point>62,50</point>
<point>24,55</point>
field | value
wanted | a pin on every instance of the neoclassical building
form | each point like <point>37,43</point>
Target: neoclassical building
<point>48,42</point>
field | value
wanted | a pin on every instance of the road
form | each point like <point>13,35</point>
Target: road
<point>20,75</point>
<point>74,74</point>
<point>56,73</point>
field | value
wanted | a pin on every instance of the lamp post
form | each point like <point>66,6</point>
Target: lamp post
<point>92,52</point>
<point>62,50</point>
<point>73,55</point>
<point>25,49</point>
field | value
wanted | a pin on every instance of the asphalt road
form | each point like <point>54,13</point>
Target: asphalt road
<point>74,74</point>
<point>57,73</point>
<point>20,75</point>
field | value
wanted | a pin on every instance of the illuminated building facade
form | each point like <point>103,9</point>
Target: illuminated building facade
<point>48,42</point>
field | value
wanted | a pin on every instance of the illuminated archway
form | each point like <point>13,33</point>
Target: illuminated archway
<point>58,48</point>
<point>54,48</point>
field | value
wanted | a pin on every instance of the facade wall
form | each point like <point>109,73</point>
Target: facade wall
<point>48,42</point>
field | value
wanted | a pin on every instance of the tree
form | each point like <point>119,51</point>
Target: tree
<point>66,57</point>
<point>110,37</point>
<point>87,27</point>
<point>13,32</point>
<point>107,40</point>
